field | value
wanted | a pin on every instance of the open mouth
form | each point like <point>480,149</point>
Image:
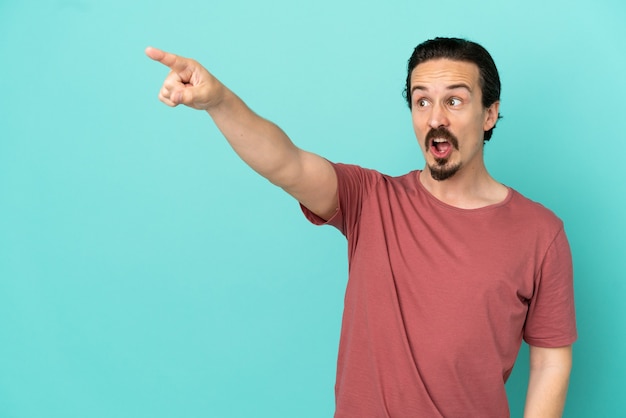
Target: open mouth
<point>440,148</point>
<point>440,143</point>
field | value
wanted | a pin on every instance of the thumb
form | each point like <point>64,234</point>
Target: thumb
<point>182,95</point>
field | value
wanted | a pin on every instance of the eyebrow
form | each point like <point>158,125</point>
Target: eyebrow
<point>450,87</point>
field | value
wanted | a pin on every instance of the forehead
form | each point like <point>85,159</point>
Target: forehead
<point>445,72</point>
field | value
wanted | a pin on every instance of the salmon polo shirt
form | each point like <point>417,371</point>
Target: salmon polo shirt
<point>439,298</point>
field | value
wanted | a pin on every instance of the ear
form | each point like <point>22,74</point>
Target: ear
<point>491,116</point>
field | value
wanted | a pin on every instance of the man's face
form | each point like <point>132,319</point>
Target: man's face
<point>448,116</point>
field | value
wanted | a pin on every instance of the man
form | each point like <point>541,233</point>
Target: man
<point>449,269</point>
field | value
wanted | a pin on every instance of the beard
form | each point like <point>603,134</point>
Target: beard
<point>441,169</point>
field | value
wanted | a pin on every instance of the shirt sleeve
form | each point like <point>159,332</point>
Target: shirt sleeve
<point>353,183</point>
<point>551,319</point>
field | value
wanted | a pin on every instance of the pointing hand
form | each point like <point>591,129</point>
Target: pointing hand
<point>188,82</point>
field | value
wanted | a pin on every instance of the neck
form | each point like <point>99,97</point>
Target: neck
<point>469,188</point>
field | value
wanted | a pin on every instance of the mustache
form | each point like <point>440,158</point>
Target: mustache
<point>442,133</point>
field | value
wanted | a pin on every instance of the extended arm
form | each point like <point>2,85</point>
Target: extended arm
<point>549,377</point>
<point>260,143</point>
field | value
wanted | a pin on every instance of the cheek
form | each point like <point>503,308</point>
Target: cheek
<point>419,131</point>
<point>420,128</point>
<point>417,120</point>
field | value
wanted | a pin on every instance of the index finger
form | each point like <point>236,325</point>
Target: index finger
<point>175,62</point>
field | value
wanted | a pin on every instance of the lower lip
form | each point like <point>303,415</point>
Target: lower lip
<point>438,154</point>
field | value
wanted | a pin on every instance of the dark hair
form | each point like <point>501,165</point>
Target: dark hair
<point>459,50</point>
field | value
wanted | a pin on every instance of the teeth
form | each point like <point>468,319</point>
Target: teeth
<point>439,141</point>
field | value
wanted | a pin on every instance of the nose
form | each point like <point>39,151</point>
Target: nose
<point>438,117</point>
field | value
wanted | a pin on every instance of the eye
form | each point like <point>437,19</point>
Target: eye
<point>454,101</point>
<point>421,103</point>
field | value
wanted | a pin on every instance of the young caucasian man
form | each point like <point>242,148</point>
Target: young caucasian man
<point>449,269</point>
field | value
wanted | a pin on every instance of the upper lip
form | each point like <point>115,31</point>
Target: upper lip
<point>440,135</point>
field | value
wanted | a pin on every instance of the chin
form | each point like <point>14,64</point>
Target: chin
<point>443,172</point>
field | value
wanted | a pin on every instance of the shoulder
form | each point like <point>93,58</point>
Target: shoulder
<point>534,212</point>
<point>352,173</point>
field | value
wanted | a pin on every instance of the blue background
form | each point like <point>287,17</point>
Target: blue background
<point>146,272</point>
